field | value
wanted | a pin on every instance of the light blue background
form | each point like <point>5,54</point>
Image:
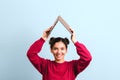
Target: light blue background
<point>96,22</point>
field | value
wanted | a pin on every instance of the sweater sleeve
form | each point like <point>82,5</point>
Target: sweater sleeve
<point>84,60</point>
<point>32,54</point>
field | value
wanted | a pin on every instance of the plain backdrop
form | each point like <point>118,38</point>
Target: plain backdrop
<point>96,23</point>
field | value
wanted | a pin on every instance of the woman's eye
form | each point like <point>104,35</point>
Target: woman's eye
<point>54,48</point>
<point>62,48</point>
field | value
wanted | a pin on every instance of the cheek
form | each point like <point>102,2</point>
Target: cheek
<point>64,51</point>
<point>53,51</point>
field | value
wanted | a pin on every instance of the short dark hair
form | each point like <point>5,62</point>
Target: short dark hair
<point>53,40</point>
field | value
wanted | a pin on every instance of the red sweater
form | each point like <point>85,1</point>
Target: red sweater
<point>58,71</point>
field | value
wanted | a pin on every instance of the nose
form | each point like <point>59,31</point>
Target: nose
<point>59,51</point>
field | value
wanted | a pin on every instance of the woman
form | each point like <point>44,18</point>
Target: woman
<point>59,69</point>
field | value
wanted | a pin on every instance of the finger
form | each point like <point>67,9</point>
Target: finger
<point>71,30</point>
<point>48,30</point>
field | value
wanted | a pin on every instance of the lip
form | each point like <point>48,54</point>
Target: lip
<point>58,56</point>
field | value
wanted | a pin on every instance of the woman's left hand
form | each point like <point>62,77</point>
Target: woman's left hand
<point>73,36</point>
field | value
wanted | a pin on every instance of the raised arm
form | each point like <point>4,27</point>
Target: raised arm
<point>85,56</point>
<point>32,54</point>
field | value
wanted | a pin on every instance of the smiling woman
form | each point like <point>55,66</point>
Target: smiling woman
<point>59,48</point>
<point>58,69</point>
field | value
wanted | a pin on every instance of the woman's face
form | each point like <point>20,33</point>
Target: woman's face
<point>59,50</point>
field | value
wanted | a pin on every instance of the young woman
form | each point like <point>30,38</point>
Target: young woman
<point>59,69</point>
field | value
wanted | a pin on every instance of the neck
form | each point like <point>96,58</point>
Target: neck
<point>59,61</point>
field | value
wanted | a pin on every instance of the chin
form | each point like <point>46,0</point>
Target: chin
<point>60,58</point>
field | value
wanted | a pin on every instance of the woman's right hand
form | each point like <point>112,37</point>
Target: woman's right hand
<point>46,33</point>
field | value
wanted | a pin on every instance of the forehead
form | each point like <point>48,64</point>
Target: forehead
<point>59,44</point>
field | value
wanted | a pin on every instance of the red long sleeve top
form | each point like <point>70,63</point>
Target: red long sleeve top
<point>51,70</point>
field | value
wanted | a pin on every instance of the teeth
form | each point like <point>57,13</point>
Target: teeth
<point>58,55</point>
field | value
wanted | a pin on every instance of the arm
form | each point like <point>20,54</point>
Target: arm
<point>85,56</point>
<point>32,54</point>
<point>84,60</point>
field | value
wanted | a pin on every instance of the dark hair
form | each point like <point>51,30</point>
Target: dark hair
<point>53,40</point>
